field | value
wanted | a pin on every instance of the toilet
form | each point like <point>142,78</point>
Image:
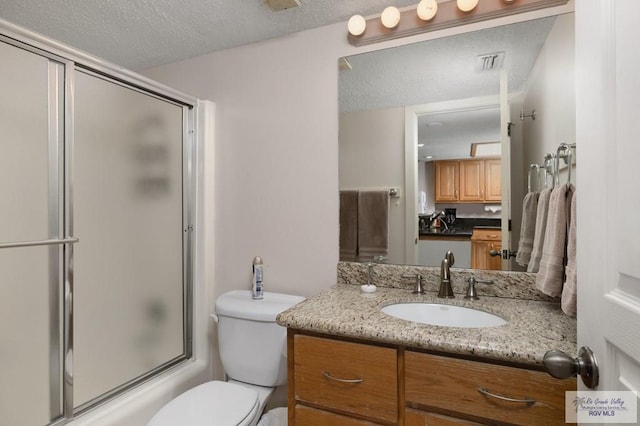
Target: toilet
<point>253,353</point>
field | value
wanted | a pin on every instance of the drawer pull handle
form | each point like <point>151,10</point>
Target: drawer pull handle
<point>526,399</point>
<point>337,379</point>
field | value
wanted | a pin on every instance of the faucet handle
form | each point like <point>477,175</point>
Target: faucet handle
<point>419,288</point>
<point>472,294</point>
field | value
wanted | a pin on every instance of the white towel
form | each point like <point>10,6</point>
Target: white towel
<point>541,226</point>
<point>569,291</point>
<point>527,231</point>
<point>551,274</point>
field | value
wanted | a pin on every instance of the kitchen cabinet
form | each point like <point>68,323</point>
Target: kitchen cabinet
<point>340,381</point>
<point>447,174</point>
<point>468,181</point>
<point>483,242</point>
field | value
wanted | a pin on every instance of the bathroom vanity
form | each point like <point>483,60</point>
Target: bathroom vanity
<point>351,364</point>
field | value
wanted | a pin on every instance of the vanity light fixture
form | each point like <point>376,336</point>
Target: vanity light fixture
<point>430,15</point>
<point>467,5</point>
<point>427,9</point>
<point>357,25</point>
<point>390,17</point>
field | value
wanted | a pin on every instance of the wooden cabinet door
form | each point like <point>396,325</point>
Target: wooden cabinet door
<point>446,181</point>
<point>479,254</point>
<point>472,180</point>
<point>483,241</point>
<point>493,180</point>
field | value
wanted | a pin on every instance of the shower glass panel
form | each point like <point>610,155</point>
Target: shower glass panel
<point>127,185</point>
<point>30,340</point>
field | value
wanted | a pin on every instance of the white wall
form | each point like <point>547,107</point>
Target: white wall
<point>371,156</point>
<point>551,92</point>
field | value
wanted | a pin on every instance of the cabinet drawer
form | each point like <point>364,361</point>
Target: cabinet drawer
<point>451,384</point>
<point>486,235</point>
<point>311,416</point>
<point>348,377</point>
<point>422,418</point>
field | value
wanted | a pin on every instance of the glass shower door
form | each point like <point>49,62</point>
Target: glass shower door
<point>128,212</point>
<point>31,124</point>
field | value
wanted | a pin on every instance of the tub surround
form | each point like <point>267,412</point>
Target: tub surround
<point>535,323</point>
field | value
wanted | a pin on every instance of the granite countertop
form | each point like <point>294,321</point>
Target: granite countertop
<point>533,327</point>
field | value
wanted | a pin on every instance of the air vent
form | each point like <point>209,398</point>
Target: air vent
<point>489,61</point>
<point>278,5</point>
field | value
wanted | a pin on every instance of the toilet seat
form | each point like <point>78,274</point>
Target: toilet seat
<point>212,403</point>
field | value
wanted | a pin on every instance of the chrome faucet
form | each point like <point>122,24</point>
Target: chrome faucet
<point>446,291</point>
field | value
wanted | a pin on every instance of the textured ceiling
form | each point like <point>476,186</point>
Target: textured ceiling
<point>443,70</point>
<point>139,34</point>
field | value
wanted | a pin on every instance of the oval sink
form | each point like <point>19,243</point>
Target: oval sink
<point>443,315</point>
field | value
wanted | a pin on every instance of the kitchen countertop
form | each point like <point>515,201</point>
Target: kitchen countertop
<point>533,327</point>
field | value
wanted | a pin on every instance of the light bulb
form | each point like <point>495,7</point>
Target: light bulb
<point>467,5</point>
<point>390,17</point>
<point>427,9</point>
<point>356,25</point>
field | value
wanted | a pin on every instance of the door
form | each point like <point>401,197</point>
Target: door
<point>505,181</point>
<point>607,66</point>
<point>31,236</point>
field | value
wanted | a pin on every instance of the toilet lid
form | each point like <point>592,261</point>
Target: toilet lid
<point>212,403</point>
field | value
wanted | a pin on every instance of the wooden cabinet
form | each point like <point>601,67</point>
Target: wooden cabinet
<point>467,181</point>
<point>447,174</point>
<point>346,378</point>
<point>476,391</point>
<point>493,180</point>
<point>483,242</point>
<point>472,180</point>
<point>339,382</point>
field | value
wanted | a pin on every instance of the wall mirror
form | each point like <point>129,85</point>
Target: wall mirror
<point>453,86</point>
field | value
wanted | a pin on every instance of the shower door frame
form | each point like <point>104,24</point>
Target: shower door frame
<point>67,61</point>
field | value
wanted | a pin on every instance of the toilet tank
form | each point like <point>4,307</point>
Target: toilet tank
<point>253,346</point>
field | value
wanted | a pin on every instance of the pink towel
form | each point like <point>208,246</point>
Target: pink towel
<point>569,291</point>
<point>348,226</point>
<point>551,274</point>
<point>528,229</point>
<point>541,227</point>
<point>373,224</point>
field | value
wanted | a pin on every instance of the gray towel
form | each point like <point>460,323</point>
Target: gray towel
<point>551,274</point>
<point>528,229</point>
<point>373,224</point>
<point>348,226</point>
<point>541,226</point>
<point>569,291</point>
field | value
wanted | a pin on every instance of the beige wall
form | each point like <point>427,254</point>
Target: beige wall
<point>551,92</point>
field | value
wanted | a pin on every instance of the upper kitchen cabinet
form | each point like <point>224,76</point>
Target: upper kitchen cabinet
<point>467,181</point>
<point>447,174</point>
